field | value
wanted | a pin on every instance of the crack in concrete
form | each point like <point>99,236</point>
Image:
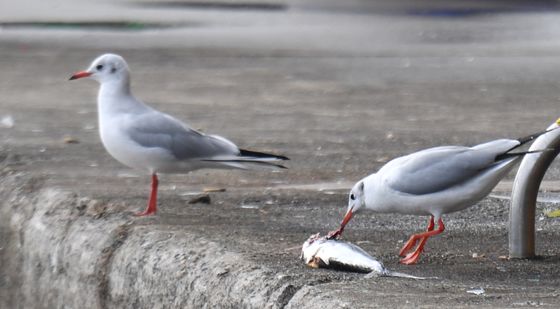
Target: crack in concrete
<point>119,236</point>
<point>287,294</point>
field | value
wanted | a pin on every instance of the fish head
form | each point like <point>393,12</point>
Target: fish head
<point>310,247</point>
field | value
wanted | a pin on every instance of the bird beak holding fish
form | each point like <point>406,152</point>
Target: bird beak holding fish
<point>346,218</point>
<point>355,202</point>
<point>338,232</point>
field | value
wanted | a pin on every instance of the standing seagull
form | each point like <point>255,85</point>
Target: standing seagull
<point>143,138</point>
<point>434,182</point>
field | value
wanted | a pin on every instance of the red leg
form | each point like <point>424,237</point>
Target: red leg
<point>152,202</point>
<point>413,257</point>
<point>412,240</point>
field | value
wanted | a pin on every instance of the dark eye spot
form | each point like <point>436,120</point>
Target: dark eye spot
<point>352,197</point>
<point>113,70</point>
<point>99,67</point>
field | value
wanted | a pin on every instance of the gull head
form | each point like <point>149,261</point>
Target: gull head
<point>105,68</point>
<point>356,198</point>
<point>356,201</point>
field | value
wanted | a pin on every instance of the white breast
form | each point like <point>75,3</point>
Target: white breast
<point>120,146</point>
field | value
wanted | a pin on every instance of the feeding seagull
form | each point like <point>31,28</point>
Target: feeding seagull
<point>434,182</point>
<point>145,139</point>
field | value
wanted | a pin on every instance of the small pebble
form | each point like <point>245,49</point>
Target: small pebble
<point>201,199</point>
<point>211,189</point>
<point>70,140</point>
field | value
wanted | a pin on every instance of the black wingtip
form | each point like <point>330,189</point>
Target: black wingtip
<point>247,161</point>
<point>256,154</point>
<point>522,153</point>
<point>531,137</point>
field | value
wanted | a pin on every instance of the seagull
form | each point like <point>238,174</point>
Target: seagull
<point>145,139</point>
<point>434,182</point>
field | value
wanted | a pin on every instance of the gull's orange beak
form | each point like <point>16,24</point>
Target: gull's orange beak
<point>80,74</point>
<point>347,218</point>
<point>337,233</point>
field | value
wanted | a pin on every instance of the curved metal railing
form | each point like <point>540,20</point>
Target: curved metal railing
<point>525,190</point>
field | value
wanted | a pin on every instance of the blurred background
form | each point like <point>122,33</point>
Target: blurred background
<point>339,86</point>
<point>357,82</point>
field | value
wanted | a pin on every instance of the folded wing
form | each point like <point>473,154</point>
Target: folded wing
<point>162,131</point>
<point>184,143</point>
<point>439,168</point>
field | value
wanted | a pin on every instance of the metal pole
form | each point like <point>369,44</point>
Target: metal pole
<point>524,193</point>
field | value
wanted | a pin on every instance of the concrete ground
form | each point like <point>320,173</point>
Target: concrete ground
<point>339,88</point>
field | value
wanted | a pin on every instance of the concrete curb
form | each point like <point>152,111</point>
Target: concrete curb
<point>63,251</point>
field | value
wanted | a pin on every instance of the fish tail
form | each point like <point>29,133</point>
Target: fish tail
<point>389,273</point>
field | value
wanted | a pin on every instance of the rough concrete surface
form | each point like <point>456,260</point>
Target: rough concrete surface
<point>339,87</point>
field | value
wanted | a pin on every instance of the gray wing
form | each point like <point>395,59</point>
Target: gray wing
<point>439,168</point>
<point>155,129</point>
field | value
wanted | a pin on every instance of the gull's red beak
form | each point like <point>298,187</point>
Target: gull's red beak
<point>80,74</point>
<point>337,233</point>
<point>347,218</point>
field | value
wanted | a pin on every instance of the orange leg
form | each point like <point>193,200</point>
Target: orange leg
<point>413,239</point>
<point>413,257</point>
<point>152,202</point>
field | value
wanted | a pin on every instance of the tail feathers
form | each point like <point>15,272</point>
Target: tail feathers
<point>508,155</point>
<point>260,155</point>
<point>247,159</point>
<point>526,139</point>
<point>246,163</point>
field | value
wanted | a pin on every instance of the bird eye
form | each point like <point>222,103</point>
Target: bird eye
<point>99,67</point>
<point>352,197</point>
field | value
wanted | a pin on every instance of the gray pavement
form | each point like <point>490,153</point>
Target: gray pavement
<point>340,89</point>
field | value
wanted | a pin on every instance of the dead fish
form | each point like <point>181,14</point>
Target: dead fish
<point>319,251</point>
